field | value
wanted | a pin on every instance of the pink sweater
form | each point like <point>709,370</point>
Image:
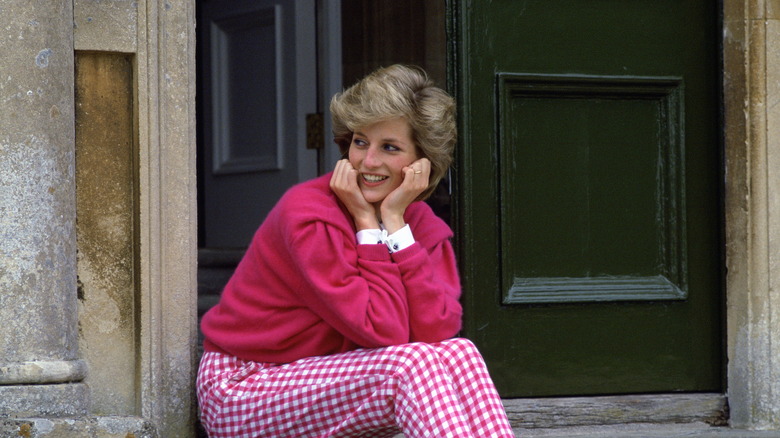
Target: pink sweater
<point>306,288</point>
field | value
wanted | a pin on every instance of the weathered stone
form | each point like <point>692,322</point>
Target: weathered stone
<point>752,209</point>
<point>38,305</point>
<point>37,208</point>
<point>55,400</point>
<point>61,371</point>
<point>106,26</point>
<point>78,427</point>
<point>105,188</point>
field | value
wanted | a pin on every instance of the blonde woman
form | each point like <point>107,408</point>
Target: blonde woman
<point>339,321</point>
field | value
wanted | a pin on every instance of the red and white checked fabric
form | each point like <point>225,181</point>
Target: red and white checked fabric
<point>423,390</point>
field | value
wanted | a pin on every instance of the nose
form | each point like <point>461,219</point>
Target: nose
<point>371,160</point>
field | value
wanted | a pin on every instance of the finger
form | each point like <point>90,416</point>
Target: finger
<point>340,178</point>
<point>347,177</point>
<point>421,166</point>
<point>424,166</point>
<point>345,168</point>
<point>337,170</point>
<point>421,163</point>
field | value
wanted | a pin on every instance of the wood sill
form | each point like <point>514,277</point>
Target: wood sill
<point>538,413</point>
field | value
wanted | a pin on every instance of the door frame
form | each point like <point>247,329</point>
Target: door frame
<point>750,151</point>
<point>329,74</point>
<point>167,241</point>
<point>752,226</point>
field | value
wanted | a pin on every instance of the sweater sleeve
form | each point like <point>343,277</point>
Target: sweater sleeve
<point>433,291</point>
<point>356,289</point>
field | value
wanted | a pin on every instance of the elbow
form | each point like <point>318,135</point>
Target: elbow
<point>378,337</point>
<point>436,332</point>
<point>385,341</point>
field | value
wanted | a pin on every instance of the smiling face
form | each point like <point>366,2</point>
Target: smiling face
<point>379,152</point>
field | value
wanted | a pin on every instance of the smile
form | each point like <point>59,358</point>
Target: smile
<point>373,178</point>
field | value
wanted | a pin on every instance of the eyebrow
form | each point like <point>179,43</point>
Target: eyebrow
<point>385,140</point>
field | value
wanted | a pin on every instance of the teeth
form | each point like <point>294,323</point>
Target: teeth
<point>373,178</point>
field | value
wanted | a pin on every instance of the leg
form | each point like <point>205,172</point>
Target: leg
<point>478,395</point>
<point>347,394</point>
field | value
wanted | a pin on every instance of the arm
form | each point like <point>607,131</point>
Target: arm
<point>433,291</point>
<point>356,289</point>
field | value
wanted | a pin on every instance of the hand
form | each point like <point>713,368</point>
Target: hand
<point>344,184</point>
<point>416,177</point>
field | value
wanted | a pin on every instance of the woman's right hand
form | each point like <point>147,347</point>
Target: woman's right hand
<point>344,184</point>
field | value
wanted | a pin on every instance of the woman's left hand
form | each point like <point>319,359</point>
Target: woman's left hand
<point>416,177</point>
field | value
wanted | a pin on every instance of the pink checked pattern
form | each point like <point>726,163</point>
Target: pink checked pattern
<point>423,390</point>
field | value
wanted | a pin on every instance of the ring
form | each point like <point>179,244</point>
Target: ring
<point>417,171</point>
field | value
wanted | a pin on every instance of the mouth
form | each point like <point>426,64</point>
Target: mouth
<point>372,179</point>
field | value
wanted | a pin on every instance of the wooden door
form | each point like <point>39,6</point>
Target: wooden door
<point>258,76</point>
<point>588,193</point>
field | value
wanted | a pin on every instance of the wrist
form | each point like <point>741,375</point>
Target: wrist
<point>366,223</point>
<point>393,222</point>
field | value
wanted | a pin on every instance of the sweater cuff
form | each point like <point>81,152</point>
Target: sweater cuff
<point>377,251</point>
<point>410,252</point>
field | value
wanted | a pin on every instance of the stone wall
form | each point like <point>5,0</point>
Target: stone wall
<point>97,218</point>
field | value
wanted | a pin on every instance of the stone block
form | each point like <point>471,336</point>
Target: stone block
<point>77,427</point>
<point>54,400</point>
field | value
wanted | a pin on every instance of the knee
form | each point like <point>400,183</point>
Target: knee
<point>417,351</point>
<point>415,356</point>
<point>462,345</point>
<point>460,352</point>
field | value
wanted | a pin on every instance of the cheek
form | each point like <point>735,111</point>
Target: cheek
<point>352,156</point>
<point>398,167</point>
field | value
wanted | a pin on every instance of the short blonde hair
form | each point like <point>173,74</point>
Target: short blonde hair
<point>400,91</point>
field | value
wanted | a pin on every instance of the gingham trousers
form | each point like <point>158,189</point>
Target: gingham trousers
<point>423,390</point>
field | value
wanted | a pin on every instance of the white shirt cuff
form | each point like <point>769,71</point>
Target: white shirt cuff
<point>369,237</point>
<point>395,242</point>
<point>400,240</point>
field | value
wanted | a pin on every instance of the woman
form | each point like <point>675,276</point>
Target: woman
<point>337,322</point>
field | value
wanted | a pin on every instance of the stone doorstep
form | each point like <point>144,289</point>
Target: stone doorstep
<point>77,427</point>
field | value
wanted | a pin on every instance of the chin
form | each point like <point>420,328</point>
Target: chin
<point>373,198</point>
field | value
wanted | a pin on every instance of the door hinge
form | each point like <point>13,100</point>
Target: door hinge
<point>315,138</point>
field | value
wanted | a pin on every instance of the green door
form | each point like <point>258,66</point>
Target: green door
<point>588,181</point>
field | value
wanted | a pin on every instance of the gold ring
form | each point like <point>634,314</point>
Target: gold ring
<point>417,171</point>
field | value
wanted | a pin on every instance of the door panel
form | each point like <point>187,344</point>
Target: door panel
<point>564,222</point>
<point>258,70</point>
<point>588,194</point>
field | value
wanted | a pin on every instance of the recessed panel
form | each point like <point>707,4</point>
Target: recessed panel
<point>569,233</point>
<point>246,101</point>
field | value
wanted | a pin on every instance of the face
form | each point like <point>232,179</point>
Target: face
<point>379,152</point>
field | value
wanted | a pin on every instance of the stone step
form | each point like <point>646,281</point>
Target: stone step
<point>215,266</point>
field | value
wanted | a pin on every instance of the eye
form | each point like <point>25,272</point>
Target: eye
<point>390,147</point>
<point>358,142</point>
